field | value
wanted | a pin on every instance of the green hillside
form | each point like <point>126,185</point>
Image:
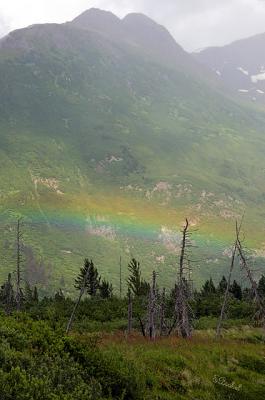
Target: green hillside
<point>107,142</point>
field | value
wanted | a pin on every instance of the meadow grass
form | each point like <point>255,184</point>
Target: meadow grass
<point>200,368</point>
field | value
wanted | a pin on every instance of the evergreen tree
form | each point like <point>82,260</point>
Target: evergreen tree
<point>35,295</point>
<point>93,280</point>
<point>236,290</point>
<point>222,285</point>
<point>208,287</point>
<point>247,294</point>
<point>7,295</point>
<point>261,286</point>
<point>136,284</point>
<point>105,289</point>
<point>28,295</point>
<point>59,296</point>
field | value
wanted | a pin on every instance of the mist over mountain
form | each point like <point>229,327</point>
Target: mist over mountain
<point>136,31</point>
<point>111,134</point>
<point>240,65</point>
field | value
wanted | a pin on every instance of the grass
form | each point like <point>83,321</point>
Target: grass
<point>39,362</point>
<point>200,368</point>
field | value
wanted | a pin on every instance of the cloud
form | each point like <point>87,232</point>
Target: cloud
<point>194,23</point>
<point>3,26</point>
<point>200,23</point>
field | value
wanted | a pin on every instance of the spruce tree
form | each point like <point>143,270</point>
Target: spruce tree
<point>93,280</point>
<point>261,286</point>
<point>222,285</point>
<point>236,290</point>
<point>7,295</point>
<point>35,295</point>
<point>28,294</point>
<point>208,287</point>
<point>59,296</point>
<point>136,284</point>
<point>105,289</point>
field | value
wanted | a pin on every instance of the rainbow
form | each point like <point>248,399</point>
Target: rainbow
<point>125,216</point>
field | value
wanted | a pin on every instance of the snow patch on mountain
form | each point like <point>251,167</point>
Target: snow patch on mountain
<point>244,71</point>
<point>258,77</point>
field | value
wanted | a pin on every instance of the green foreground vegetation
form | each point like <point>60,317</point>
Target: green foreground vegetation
<point>39,362</point>
<point>99,360</point>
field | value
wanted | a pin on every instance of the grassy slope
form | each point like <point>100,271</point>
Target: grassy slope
<point>72,100</point>
<point>39,362</point>
<point>195,369</point>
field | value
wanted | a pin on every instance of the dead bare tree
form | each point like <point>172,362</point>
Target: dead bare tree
<point>141,325</point>
<point>238,248</point>
<point>130,312</point>
<point>162,313</point>
<point>245,267</point>
<point>151,328</point>
<point>226,295</point>
<point>81,293</point>
<point>19,235</point>
<point>175,316</point>
<point>120,278</point>
<point>8,295</point>
<point>182,308</point>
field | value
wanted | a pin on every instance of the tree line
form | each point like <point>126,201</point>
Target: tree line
<point>205,302</point>
<point>146,307</point>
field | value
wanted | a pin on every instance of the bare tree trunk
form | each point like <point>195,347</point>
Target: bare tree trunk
<point>9,297</point>
<point>18,266</point>
<point>173,325</point>
<point>162,312</point>
<point>183,248</point>
<point>120,278</point>
<point>82,291</point>
<point>141,325</point>
<point>185,326</point>
<point>251,279</point>
<point>130,311</point>
<point>182,291</point>
<point>152,308</point>
<point>175,316</point>
<point>219,326</point>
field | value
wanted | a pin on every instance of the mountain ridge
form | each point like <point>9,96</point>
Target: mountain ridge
<point>135,29</point>
<point>240,65</point>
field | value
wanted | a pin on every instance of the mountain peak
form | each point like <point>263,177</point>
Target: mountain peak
<point>152,36</point>
<point>139,18</point>
<point>135,28</point>
<point>137,21</point>
<point>96,13</point>
<point>98,20</point>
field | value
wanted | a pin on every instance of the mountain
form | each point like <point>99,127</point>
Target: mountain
<point>138,32</point>
<point>103,22</point>
<point>240,65</point>
<point>110,135</point>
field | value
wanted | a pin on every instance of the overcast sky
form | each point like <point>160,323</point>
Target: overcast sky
<point>194,23</point>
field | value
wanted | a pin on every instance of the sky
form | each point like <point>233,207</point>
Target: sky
<point>195,24</point>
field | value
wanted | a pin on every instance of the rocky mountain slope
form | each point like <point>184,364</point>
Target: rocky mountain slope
<point>110,135</point>
<point>240,65</point>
